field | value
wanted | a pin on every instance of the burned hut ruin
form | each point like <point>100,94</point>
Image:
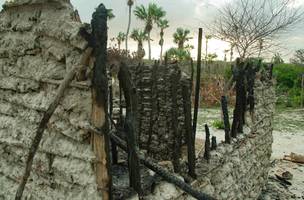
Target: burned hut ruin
<point>59,137</point>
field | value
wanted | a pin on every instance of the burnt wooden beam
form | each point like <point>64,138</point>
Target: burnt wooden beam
<point>224,104</point>
<point>198,80</point>
<point>175,79</point>
<point>131,127</point>
<point>207,143</point>
<point>101,143</point>
<point>162,172</point>
<point>186,93</point>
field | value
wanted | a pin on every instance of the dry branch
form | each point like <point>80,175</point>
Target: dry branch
<point>41,128</point>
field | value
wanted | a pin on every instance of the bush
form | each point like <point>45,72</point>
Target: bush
<point>219,124</point>
<point>288,87</point>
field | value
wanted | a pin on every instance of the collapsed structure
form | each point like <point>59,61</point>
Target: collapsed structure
<point>40,43</point>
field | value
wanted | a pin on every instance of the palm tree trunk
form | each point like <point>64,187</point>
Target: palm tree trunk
<point>161,53</point>
<point>149,44</point>
<point>128,29</point>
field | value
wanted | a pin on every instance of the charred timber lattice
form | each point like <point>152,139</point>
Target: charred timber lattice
<point>177,134</point>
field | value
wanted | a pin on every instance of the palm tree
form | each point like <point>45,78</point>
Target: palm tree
<point>232,45</point>
<point>225,52</point>
<point>110,14</point>
<point>162,24</point>
<point>181,36</point>
<point>130,4</point>
<point>208,37</point>
<point>120,38</point>
<point>178,54</point>
<point>152,14</point>
<point>139,36</point>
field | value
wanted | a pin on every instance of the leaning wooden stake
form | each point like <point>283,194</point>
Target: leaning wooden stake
<point>186,93</point>
<point>198,80</point>
<point>101,143</point>
<point>42,126</point>
<point>131,127</point>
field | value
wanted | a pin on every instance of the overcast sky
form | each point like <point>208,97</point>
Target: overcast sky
<point>189,14</point>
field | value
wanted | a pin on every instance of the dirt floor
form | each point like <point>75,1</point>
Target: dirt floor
<point>288,135</point>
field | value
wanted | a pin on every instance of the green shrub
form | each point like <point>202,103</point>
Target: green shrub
<point>288,87</point>
<point>219,124</point>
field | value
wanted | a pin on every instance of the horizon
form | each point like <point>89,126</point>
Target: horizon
<point>203,11</point>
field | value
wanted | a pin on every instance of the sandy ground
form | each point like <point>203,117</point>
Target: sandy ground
<point>288,137</point>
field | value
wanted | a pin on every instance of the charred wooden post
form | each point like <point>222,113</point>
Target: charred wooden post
<point>241,100</point>
<point>198,80</point>
<point>186,93</point>
<point>250,79</point>
<point>224,104</point>
<point>153,104</point>
<point>175,78</point>
<point>114,152</point>
<point>131,127</point>
<point>100,143</point>
<point>207,143</point>
<point>213,143</point>
<point>192,74</point>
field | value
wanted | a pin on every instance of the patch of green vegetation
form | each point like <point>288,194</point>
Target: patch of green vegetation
<point>288,87</point>
<point>219,124</point>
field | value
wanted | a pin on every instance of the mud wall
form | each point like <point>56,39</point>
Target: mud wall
<point>238,170</point>
<point>39,43</point>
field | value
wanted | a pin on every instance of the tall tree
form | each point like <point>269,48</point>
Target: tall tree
<point>130,4</point>
<point>139,36</point>
<point>207,37</point>
<point>120,38</point>
<point>298,57</point>
<point>110,14</point>
<point>152,14</point>
<point>246,23</point>
<point>162,24</point>
<point>181,36</point>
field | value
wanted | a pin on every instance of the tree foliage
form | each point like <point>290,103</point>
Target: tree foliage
<point>150,15</point>
<point>181,36</point>
<point>298,57</point>
<point>253,25</point>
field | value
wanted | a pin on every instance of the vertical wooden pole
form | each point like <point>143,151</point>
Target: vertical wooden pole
<point>224,104</point>
<point>100,143</point>
<point>131,127</point>
<point>186,93</point>
<point>207,143</point>
<point>198,80</point>
<point>113,145</point>
<point>213,143</point>
<point>302,92</point>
